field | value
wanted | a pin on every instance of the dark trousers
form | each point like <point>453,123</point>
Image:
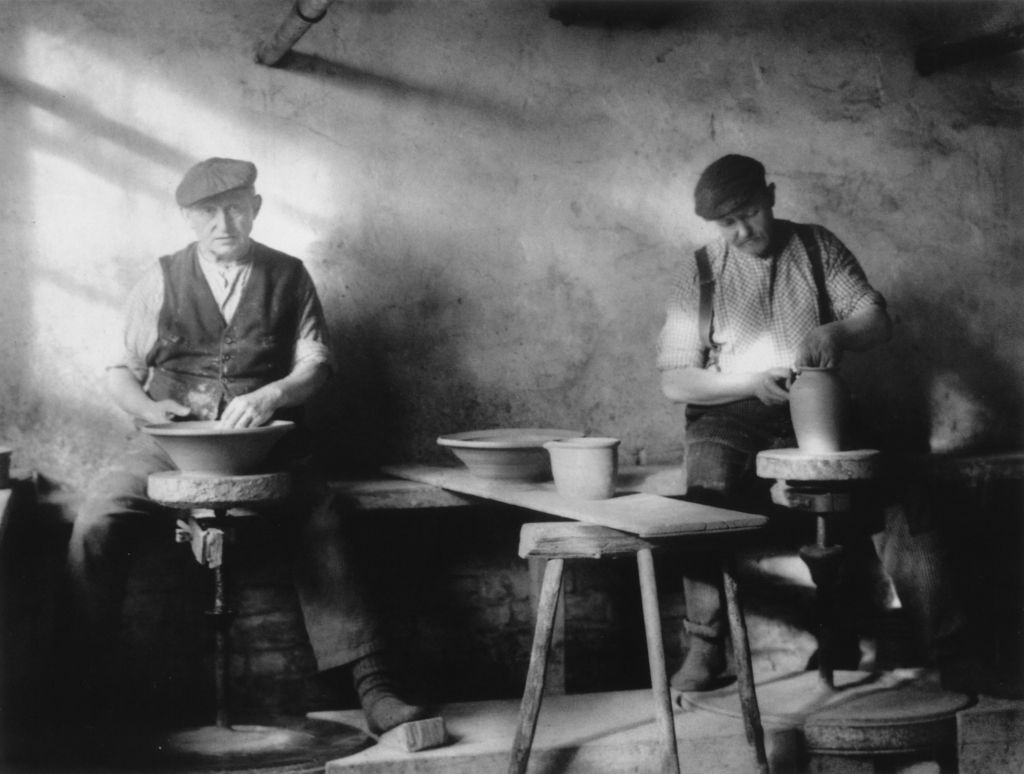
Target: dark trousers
<point>721,446</point>
<point>339,619</point>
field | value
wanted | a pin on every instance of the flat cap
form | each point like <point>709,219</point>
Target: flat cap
<point>728,184</point>
<point>214,176</point>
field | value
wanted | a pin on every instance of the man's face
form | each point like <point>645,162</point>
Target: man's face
<point>222,223</point>
<point>749,228</point>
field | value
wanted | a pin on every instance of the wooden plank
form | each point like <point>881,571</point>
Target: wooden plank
<point>1008,466</point>
<point>5,501</point>
<point>573,540</point>
<point>641,514</point>
<point>395,494</point>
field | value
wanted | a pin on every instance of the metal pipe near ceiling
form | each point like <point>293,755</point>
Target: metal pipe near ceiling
<point>303,15</point>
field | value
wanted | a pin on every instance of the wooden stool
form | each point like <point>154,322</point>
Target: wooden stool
<point>556,542</point>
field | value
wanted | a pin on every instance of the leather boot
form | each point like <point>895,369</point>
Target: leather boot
<point>705,666</point>
<point>383,708</point>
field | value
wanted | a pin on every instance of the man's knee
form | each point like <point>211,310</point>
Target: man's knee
<point>116,496</point>
<point>715,471</point>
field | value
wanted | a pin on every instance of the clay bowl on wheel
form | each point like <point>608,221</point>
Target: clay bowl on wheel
<point>207,447</point>
<point>513,454</point>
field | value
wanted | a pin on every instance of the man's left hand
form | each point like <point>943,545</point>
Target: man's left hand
<point>821,348</point>
<point>253,409</point>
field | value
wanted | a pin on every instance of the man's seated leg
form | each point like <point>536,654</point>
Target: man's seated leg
<point>114,516</point>
<point>721,448</point>
<point>341,619</point>
<point>715,469</point>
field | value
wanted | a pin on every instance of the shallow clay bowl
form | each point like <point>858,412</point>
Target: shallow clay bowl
<point>206,447</point>
<point>513,454</point>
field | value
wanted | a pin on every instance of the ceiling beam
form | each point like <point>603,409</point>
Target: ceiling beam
<point>303,15</point>
<point>931,59</point>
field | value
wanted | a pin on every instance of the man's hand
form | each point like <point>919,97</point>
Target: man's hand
<point>773,387</point>
<point>253,409</point>
<point>164,411</point>
<point>821,348</point>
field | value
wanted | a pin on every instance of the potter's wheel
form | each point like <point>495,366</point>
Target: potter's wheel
<point>867,712</point>
<point>291,746</point>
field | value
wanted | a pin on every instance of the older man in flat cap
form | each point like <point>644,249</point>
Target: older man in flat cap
<point>230,329</point>
<point>766,296</point>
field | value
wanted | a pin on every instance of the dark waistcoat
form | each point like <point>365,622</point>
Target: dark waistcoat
<point>202,361</point>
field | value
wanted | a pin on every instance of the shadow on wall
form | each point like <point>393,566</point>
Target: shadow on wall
<point>398,330</point>
<point>935,389</point>
<point>356,79</point>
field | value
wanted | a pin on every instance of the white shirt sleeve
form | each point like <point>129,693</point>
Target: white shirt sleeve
<point>141,319</point>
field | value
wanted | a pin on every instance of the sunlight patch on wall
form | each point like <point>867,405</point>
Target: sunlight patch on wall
<point>73,338</point>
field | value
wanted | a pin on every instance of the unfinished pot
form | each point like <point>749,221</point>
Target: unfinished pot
<point>207,447</point>
<point>585,468</point>
<point>819,406</point>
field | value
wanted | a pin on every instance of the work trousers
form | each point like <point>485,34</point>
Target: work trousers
<point>339,616</point>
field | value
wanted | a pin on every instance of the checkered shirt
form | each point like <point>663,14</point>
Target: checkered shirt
<point>763,307</point>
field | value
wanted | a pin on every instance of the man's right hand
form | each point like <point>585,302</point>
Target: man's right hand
<point>164,411</point>
<point>773,387</point>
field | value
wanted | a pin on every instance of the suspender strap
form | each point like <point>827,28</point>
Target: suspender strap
<point>813,250</point>
<point>707,283</point>
<point>707,295</point>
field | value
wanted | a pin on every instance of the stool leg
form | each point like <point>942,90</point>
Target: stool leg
<point>547,607</point>
<point>744,667</point>
<point>656,658</point>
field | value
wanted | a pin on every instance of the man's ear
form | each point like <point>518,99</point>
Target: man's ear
<point>257,202</point>
<point>771,194</point>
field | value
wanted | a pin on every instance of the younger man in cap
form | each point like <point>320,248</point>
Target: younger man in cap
<point>230,329</point>
<point>783,295</point>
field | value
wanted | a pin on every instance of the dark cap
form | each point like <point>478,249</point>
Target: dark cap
<point>728,184</point>
<point>214,176</point>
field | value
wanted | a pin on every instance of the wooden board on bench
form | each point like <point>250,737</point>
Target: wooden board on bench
<point>638,513</point>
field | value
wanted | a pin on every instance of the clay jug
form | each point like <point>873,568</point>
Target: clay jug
<point>820,408</point>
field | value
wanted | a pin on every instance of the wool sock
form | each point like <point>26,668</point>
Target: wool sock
<point>378,697</point>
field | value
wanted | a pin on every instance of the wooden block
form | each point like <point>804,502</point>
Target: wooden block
<point>809,500</point>
<point>417,735</point>
<point>989,737</point>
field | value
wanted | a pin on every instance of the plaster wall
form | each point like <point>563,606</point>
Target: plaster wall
<point>493,202</point>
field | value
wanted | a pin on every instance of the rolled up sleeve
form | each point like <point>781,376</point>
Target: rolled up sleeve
<point>848,286</point>
<point>139,334</point>
<point>312,345</point>
<point>679,343</point>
